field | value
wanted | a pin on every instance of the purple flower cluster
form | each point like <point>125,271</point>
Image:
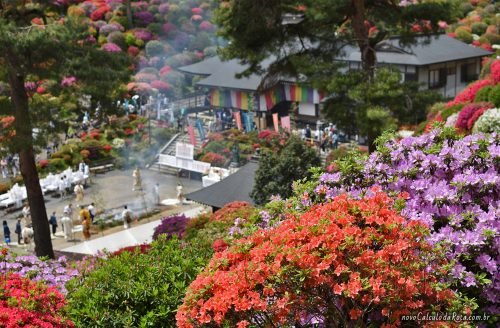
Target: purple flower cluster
<point>144,18</point>
<point>111,47</point>
<point>52,272</point>
<point>453,186</point>
<point>172,225</point>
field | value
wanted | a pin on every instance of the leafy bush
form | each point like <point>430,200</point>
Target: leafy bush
<point>453,188</point>
<point>133,289</point>
<point>57,164</point>
<point>25,303</point>
<point>154,48</point>
<point>171,226</point>
<point>494,95</point>
<point>214,159</point>
<point>349,261</point>
<point>489,122</point>
<point>463,35</point>
<point>469,114</point>
<point>142,249</point>
<point>231,211</point>
<point>54,273</point>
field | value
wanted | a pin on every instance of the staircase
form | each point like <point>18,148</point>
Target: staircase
<point>169,149</point>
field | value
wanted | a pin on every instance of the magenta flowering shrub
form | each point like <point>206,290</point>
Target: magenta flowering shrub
<point>55,273</point>
<point>469,115</point>
<point>452,186</point>
<point>170,226</point>
<point>111,47</point>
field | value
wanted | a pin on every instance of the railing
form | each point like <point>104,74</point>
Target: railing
<point>165,147</point>
<point>192,100</point>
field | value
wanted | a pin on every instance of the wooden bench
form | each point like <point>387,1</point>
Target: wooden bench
<point>102,168</point>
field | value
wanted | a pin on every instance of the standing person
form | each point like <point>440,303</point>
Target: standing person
<point>6,233</point>
<point>67,226</point>
<point>18,231</point>
<point>5,171</point>
<point>68,211</point>
<point>156,194</point>
<point>53,223</point>
<point>308,133</point>
<point>26,214</point>
<point>27,234</point>
<point>137,179</point>
<point>85,220</point>
<point>126,217</point>
<point>179,193</point>
<point>91,209</point>
<point>61,186</point>
<point>79,192</point>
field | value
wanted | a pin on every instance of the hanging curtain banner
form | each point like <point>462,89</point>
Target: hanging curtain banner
<point>276,122</point>
<point>244,119</point>
<point>237,117</point>
<point>249,122</point>
<point>201,129</point>
<point>191,135</point>
<point>274,96</point>
<point>285,123</point>
<point>231,98</point>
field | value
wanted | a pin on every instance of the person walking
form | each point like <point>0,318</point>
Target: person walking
<point>126,217</point>
<point>180,196</point>
<point>91,209</point>
<point>79,192</point>
<point>85,220</point>
<point>156,194</point>
<point>18,231</point>
<point>53,223</point>
<point>68,211</point>
<point>26,214</point>
<point>67,226</point>
<point>6,233</point>
<point>136,174</point>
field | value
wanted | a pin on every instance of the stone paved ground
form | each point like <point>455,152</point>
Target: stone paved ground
<point>110,191</point>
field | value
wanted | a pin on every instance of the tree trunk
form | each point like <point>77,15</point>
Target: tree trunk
<point>129,15</point>
<point>23,143</point>
<point>368,56</point>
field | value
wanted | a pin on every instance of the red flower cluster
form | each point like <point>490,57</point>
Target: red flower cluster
<point>214,159</point>
<point>469,93</point>
<point>348,261</point>
<point>24,303</point>
<point>469,115</point>
<point>231,211</point>
<point>142,249</point>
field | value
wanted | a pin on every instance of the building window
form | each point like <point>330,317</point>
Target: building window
<point>411,77</point>
<point>437,78</point>
<point>468,72</point>
<point>451,70</point>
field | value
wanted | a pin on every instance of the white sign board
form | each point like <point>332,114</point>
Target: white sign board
<point>190,165</point>
<point>184,150</point>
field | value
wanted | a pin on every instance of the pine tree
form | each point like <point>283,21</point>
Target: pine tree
<point>39,45</point>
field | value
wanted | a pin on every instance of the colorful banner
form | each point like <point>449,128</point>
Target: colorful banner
<point>285,123</point>
<point>201,129</point>
<point>237,117</point>
<point>290,92</point>
<point>191,134</point>
<point>276,122</point>
<point>231,99</point>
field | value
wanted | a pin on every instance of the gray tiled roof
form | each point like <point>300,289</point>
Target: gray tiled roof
<point>426,51</point>
<point>236,187</point>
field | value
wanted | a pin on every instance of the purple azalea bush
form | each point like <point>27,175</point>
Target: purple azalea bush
<point>54,273</point>
<point>172,225</point>
<point>453,187</point>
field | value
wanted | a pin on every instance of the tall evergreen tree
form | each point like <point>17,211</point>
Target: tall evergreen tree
<point>38,45</point>
<point>307,37</point>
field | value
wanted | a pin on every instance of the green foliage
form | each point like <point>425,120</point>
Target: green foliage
<point>494,96</point>
<point>479,28</point>
<point>483,94</point>
<point>154,48</point>
<point>135,290</point>
<point>463,35</point>
<point>278,170</point>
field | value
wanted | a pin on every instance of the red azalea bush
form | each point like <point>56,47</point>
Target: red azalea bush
<point>214,136</point>
<point>469,93</point>
<point>345,263</point>
<point>141,249</point>
<point>231,211</point>
<point>214,159</point>
<point>107,148</point>
<point>43,163</point>
<point>469,115</point>
<point>25,303</point>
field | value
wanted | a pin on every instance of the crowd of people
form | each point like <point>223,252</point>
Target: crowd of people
<point>9,165</point>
